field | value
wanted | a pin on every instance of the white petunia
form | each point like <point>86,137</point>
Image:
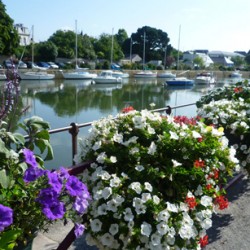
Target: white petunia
<point>107,239</point>
<point>146,229</point>
<point>101,157</point>
<point>163,215</point>
<point>146,197</point>
<point>106,192</point>
<point>176,163</point>
<point>162,228</point>
<point>113,229</point>
<point>128,215</point>
<point>97,145</point>
<point>113,159</point>
<point>118,138</point>
<point>156,199</point>
<point>95,225</point>
<point>173,135</point>
<point>172,207</point>
<point>139,168</point>
<point>148,186</point>
<point>156,239</point>
<point>152,148</point>
<point>206,200</point>
<point>196,135</point>
<point>136,186</point>
<point>115,181</point>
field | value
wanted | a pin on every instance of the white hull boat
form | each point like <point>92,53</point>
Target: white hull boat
<point>145,74</point>
<point>107,77</point>
<point>36,75</point>
<point>85,75</point>
<point>179,81</point>
<point>166,74</point>
<point>120,74</point>
<point>236,74</point>
<point>205,78</point>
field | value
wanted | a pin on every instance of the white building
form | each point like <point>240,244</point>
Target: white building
<point>23,33</point>
<point>189,56</point>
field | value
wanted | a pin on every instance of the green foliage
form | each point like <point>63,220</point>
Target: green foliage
<point>14,193</point>
<point>46,51</point>
<point>9,38</point>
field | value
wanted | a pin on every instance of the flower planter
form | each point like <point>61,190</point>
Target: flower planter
<point>154,181</point>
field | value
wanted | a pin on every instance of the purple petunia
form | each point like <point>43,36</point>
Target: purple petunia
<point>6,217</point>
<point>80,204</point>
<point>79,229</point>
<point>55,210</point>
<point>54,181</point>
<point>74,186</point>
<point>32,173</point>
<point>29,157</point>
<point>63,174</point>
<point>47,196</point>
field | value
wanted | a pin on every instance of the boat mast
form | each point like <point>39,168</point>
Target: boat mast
<point>144,50</point>
<point>112,47</point>
<point>178,47</point>
<point>32,46</point>
<point>76,44</point>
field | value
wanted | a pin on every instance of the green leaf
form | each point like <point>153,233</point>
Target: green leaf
<point>8,238</point>
<point>4,179</point>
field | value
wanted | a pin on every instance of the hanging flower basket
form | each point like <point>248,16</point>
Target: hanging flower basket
<point>154,181</point>
<point>229,107</point>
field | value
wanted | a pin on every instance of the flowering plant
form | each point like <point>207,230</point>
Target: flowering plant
<point>154,180</point>
<point>229,107</point>
<point>32,197</point>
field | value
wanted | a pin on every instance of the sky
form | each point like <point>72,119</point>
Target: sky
<point>190,24</point>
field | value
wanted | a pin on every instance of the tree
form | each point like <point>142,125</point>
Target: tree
<point>9,39</point>
<point>238,61</point>
<point>46,51</point>
<point>87,49</point>
<point>247,58</point>
<point>103,46</point>
<point>156,43</point>
<point>199,62</point>
<point>121,36</point>
<point>65,42</point>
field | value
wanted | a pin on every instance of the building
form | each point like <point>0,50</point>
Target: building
<point>131,59</point>
<point>189,56</point>
<point>24,34</point>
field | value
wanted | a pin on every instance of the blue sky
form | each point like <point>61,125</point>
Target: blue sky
<point>205,24</point>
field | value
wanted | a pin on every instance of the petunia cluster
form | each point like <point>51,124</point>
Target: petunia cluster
<point>229,107</point>
<point>61,195</point>
<point>155,181</point>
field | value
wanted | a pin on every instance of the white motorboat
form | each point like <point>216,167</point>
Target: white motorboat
<point>166,74</point>
<point>145,74</point>
<point>36,75</point>
<point>236,74</point>
<point>205,78</point>
<point>106,76</point>
<point>120,74</point>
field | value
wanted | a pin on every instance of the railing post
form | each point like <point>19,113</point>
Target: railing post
<point>74,130</point>
<point>168,110</point>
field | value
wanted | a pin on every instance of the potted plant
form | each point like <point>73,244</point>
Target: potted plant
<point>155,181</point>
<point>229,107</point>
<point>32,197</point>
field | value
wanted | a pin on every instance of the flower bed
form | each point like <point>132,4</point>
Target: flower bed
<point>154,180</point>
<point>229,107</point>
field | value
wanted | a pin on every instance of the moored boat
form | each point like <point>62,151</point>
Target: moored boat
<point>236,74</point>
<point>179,81</point>
<point>145,74</point>
<point>106,76</point>
<point>166,74</point>
<point>36,75</point>
<point>204,78</point>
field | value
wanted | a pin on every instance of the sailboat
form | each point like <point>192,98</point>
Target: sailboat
<point>179,81</point>
<point>78,73</point>
<point>145,73</point>
<point>37,73</point>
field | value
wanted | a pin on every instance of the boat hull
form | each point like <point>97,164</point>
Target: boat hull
<point>36,76</point>
<point>145,75</point>
<point>179,82</point>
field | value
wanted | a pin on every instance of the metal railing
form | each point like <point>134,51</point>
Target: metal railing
<point>74,127</point>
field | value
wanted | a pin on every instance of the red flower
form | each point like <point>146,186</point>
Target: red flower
<point>208,186</point>
<point>221,201</point>
<point>199,139</point>
<point>199,164</point>
<point>238,89</point>
<point>127,109</point>
<point>191,202</point>
<point>203,241</point>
